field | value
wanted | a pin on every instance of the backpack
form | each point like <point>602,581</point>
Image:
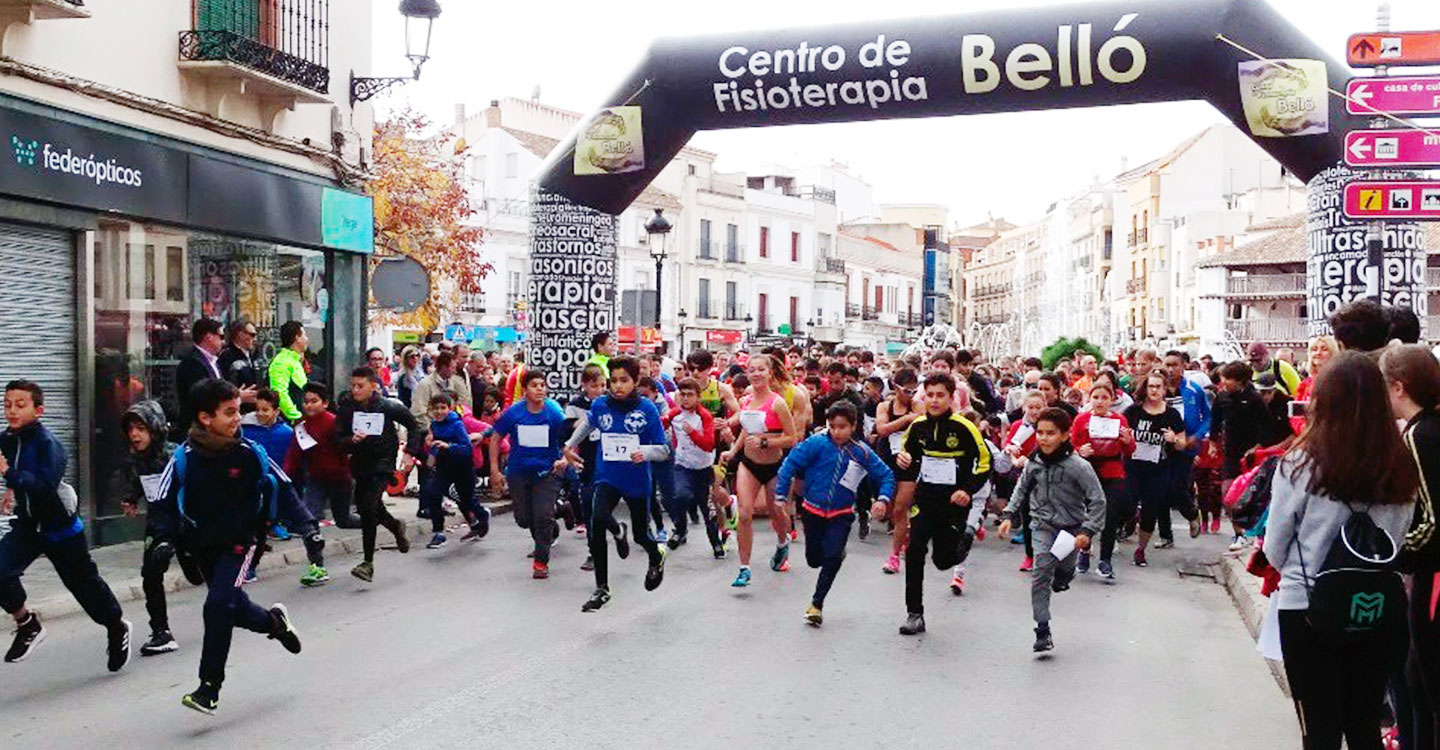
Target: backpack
<point>268,505</point>
<point>1249,496</point>
<point>1358,592</point>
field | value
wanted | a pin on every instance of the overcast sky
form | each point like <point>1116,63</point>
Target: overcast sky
<point>1012,165</point>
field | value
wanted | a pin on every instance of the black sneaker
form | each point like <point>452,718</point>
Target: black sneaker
<point>622,541</point>
<point>402,539</point>
<point>1043,641</point>
<point>655,574</point>
<point>283,630</point>
<point>914,625</point>
<point>117,646</point>
<point>1060,583</point>
<point>161,642</point>
<point>589,563</point>
<point>566,512</point>
<point>864,529</point>
<point>719,551</point>
<point>205,699</point>
<point>28,634</point>
<point>676,541</point>
<point>596,601</point>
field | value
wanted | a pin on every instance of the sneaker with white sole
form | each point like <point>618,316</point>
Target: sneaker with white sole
<point>29,633</point>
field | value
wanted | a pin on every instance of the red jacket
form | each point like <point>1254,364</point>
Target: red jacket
<point>1110,453</point>
<point>704,438</point>
<point>324,461</point>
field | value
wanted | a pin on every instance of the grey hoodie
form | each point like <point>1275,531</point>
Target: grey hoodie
<point>1063,491</point>
<point>125,486</point>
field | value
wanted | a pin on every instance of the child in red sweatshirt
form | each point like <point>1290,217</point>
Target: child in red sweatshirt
<point>692,436</point>
<point>326,468</point>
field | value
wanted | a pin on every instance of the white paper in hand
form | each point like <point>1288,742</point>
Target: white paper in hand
<point>897,442</point>
<point>1022,434</point>
<point>618,446</point>
<point>1268,644</point>
<point>1063,546</point>
<point>151,484</point>
<point>753,421</point>
<point>533,435</point>
<point>854,475</point>
<point>367,423</point>
<point>937,470</point>
<point>1147,452</point>
<point>304,439</point>
<point>1104,427</point>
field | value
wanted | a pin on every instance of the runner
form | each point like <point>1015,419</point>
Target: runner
<point>975,519</point>
<point>137,481</point>
<point>535,426</point>
<point>944,462</point>
<point>1020,443</point>
<point>1159,433</point>
<point>1067,508</point>
<point>631,436</point>
<point>365,427</point>
<point>582,483</point>
<point>215,494</point>
<point>836,463</point>
<point>1103,438</point>
<point>451,458</point>
<point>767,429</point>
<point>692,431</point>
<point>892,419</point>
<point>719,399</point>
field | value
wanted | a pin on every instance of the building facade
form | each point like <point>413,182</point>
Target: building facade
<point>170,161</point>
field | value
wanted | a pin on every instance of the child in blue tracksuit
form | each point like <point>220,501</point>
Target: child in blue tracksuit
<point>265,427</point>
<point>631,436</point>
<point>582,489</point>
<point>451,457</point>
<point>833,464</point>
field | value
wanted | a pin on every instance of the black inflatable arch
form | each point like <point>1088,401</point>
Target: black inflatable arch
<point>1064,56</point>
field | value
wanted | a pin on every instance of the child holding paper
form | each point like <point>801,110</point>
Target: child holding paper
<point>1104,439</point>
<point>1067,508</point>
<point>1159,431</point>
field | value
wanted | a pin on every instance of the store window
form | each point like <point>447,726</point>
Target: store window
<point>151,284</point>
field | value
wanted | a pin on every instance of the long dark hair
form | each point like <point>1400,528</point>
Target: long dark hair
<point>1350,443</point>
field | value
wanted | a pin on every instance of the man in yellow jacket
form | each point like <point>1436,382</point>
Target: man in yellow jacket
<point>287,370</point>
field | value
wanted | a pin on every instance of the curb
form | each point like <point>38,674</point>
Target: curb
<point>285,555</point>
<point>1245,592</point>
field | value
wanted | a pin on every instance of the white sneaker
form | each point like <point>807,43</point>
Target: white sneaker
<point>1239,543</point>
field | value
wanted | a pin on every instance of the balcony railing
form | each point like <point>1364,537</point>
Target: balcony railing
<point>1142,237</point>
<point>734,253</point>
<point>1281,284</point>
<point>870,313</point>
<point>286,39</point>
<point>711,309</point>
<point>830,265</point>
<point>1134,286</point>
<point>852,310</point>
<point>709,250</point>
<point>1269,330</point>
<point>992,290</point>
<point>734,311</point>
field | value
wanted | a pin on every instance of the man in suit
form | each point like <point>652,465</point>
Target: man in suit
<point>237,364</point>
<point>200,363</point>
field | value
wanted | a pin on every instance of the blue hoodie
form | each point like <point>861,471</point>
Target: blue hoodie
<point>452,431</point>
<point>275,439</point>
<point>824,464</point>
<point>634,416</point>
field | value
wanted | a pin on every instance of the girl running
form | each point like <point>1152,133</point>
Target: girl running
<point>1158,429</point>
<point>1104,439</point>
<point>766,429</point>
<point>892,419</point>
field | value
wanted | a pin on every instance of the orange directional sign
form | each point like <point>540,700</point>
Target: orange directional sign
<point>1394,48</point>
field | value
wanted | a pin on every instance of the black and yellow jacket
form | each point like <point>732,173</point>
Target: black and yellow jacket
<point>1422,543</point>
<point>948,436</point>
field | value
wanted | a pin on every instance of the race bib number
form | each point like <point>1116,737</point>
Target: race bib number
<point>897,442</point>
<point>937,470</point>
<point>304,439</point>
<point>1104,427</point>
<point>618,446</point>
<point>367,424</point>
<point>753,421</point>
<point>854,475</point>
<point>533,435</point>
<point>868,426</point>
<point>1022,434</point>
<point>1147,452</point>
<point>151,484</point>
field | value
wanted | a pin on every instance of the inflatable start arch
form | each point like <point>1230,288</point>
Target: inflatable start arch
<point>1239,55</point>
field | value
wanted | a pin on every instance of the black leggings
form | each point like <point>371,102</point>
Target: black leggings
<point>603,523</point>
<point>370,501</point>
<point>1338,686</point>
<point>1422,669</point>
<point>1118,507</point>
<point>1150,489</point>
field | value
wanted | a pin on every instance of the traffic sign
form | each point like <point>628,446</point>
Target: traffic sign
<point>1394,48</point>
<point>1393,200</point>
<point>1392,148</point>
<point>1398,95</point>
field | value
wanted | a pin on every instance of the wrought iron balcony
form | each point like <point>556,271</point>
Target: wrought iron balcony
<point>288,40</point>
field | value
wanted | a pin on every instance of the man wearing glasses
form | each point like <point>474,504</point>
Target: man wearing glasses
<point>236,362</point>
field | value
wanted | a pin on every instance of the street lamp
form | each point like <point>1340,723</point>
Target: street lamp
<point>658,227</point>
<point>749,319</point>
<point>420,18</point>
<point>682,316</point>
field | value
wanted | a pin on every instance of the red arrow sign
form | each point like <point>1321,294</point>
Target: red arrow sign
<point>1399,48</point>
<point>1407,95</point>
<point>1393,200</point>
<point>1392,148</point>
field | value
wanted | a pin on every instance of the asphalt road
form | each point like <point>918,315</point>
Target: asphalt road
<point>460,648</point>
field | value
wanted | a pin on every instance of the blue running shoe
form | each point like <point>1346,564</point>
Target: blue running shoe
<point>437,541</point>
<point>743,579</point>
<point>780,561</point>
<point>662,536</point>
<point>280,532</point>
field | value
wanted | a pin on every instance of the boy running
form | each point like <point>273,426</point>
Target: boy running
<point>693,429</point>
<point>365,427</point>
<point>46,523</point>
<point>1065,498</point>
<point>535,426</point>
<point>218,492</point>
<point>451,459</point>
<point>630,438</point>
<point>944,462</point>
<point>582,490</point>
<point>836,464</point>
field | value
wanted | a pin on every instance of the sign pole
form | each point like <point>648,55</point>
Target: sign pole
<point>1375,234</point>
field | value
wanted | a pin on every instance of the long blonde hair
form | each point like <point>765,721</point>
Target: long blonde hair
<point>1326,341</point>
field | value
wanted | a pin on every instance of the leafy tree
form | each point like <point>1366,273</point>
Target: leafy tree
<point>1066,347</point>
<point>423,211</point>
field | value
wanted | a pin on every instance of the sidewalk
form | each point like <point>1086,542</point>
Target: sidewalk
<point>120,563</point>
<point>1245,591</point>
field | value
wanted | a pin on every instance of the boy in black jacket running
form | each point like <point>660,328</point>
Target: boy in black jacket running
<point>365,428</point>
<point>217,494</point>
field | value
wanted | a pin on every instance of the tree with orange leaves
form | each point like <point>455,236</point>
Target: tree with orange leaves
<point>423,211</point>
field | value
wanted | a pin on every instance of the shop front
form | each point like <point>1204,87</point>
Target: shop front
<point>114,241</point>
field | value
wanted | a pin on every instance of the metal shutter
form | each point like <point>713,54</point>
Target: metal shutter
<point>37,324</point>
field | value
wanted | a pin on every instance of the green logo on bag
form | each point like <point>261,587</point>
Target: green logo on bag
<point>1366,609</point>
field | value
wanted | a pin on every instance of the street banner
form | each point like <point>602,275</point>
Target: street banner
<point>1411,199</point>
<point>1394,48</point>
<point>1393,148</point>
<point>1397,95</point>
